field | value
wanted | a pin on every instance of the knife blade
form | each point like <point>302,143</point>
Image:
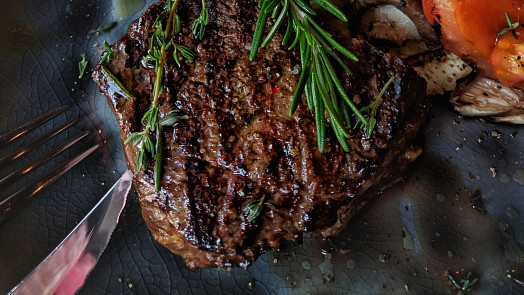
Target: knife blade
<point>65,269</point>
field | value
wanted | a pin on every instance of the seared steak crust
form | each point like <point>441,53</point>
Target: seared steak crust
<point>239,142</point>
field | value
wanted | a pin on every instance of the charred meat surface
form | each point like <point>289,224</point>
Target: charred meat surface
<point>239,143</point>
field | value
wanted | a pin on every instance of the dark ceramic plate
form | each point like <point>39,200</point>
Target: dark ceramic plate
<point>408,241</point>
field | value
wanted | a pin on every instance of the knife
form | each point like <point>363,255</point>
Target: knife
<point>66,268</point>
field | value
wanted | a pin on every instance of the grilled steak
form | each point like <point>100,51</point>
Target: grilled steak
<point>239,143</point>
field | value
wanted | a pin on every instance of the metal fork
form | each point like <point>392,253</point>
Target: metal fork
<point>19,198</point>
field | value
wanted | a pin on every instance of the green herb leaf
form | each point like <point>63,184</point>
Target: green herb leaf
<point>259,31</point>
<point>150,118</point>
<point>82,65</point>
<point>107,54</point>
<point>172,118</point>
<point>199,25</point>
<point>318,80</point>
<point>277,24</point>
<point>185,51</point>
<point>255,207</point>
<point>148,144</point>
<point>141,159</point>
<point>305,7</point>
<point>104,28</point>
<point>117,83</point>
<point>178,25</point>
<point>466,284</point>
<point>134,137</point>
<point>511,27</point>
<point>372,109</point>
<point>158,159</point>
<point>327,5</point>
<point>145,145</point>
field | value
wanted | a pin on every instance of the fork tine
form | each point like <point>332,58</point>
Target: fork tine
<point>37,142</point>
<point>18,199</point>
<point>15,133</point>
<point>44,158</point>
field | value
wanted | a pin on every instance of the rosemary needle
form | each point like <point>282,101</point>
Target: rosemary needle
<point>107,55</point>
<point>117,83</point>
<point>199,26</point>
<point>255,207</point>
<point>511,27</point>
<point>82,65</point>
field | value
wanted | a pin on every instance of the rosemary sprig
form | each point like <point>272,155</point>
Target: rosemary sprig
<point>146,146</point>
<point>465,285</point>
<point>511,27</point>
<point>199,25</point>
<point>255,207</point>
<point>318,79</point>
<point>161,41</point>
<point>184,51</point>
<point>104,28</point>
<point>107,55</point>
<point>374,107</point>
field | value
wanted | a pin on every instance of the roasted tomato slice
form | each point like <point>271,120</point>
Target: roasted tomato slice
<point>470,29</point>
<point>507,59</point>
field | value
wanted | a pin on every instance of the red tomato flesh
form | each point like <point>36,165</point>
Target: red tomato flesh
<point>470,28</point>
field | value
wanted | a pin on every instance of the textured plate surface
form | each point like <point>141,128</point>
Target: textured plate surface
<point>405,242</point>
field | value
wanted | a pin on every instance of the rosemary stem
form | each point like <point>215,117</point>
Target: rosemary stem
<point>160,68</point>
<point>156,90</point>
<point>156,95</point>
<point>170,19</point>
<point>158,158</point>
<point>262,200</point>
